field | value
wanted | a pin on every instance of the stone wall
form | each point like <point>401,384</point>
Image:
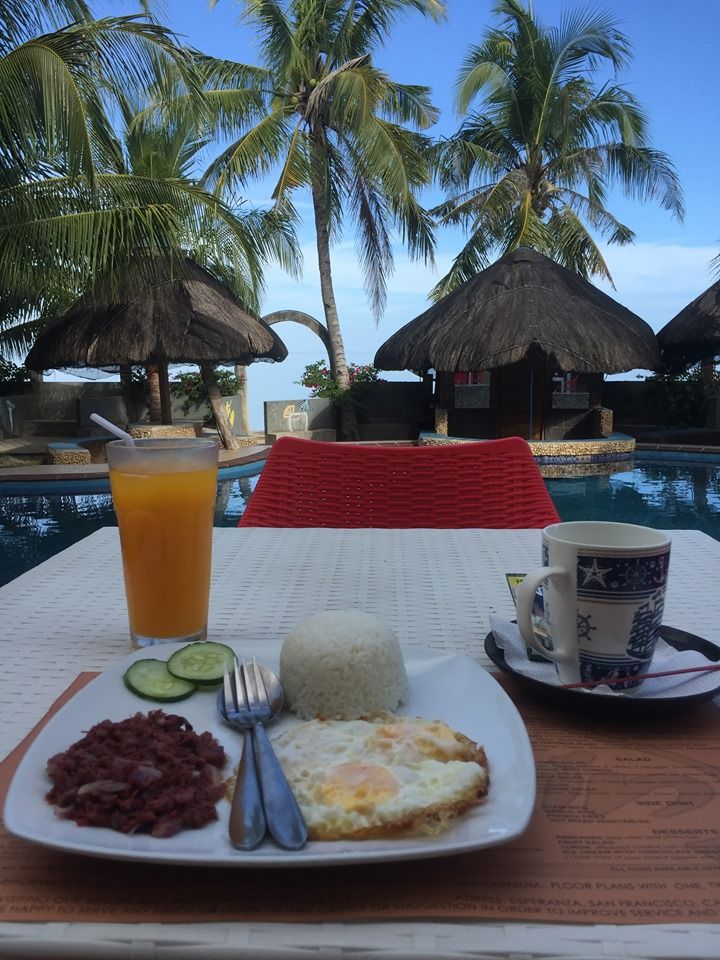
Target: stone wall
<point>641,405</point>
<point>311,418</point>
<point>58,401</point>
<point>394,410</point>
<point>15,410</point>
<point>386,410</point>
<point>70,406</point>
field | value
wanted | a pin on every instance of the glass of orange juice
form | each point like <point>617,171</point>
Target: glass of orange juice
<point>164,493</point>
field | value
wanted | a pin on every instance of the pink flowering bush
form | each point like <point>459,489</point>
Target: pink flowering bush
<point>318,379</point>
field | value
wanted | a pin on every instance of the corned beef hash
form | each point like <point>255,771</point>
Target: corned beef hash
<point>149,773</point>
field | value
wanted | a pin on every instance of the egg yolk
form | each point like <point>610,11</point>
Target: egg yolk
<point>359,786</point>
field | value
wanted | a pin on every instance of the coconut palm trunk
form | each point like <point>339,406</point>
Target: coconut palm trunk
<point>339,125</point>
<point>338,361</point>
<point>218,407</point>
<point>242,395</point>
<point>165,398</point>
<point>154,400</point>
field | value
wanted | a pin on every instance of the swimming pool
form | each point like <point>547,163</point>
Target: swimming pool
<point>36,526</point>
<point>670,495</point>
<point>676,494</point>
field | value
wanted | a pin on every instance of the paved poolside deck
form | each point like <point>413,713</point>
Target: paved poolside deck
<point>98,471</point>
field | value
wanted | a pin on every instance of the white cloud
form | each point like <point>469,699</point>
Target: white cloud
<point>657,280</point>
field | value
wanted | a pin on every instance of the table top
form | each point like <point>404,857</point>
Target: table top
<point>435,588</point>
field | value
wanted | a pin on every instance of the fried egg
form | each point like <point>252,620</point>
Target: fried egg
<point>391,776</point>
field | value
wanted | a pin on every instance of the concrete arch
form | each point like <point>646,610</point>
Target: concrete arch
<point>278,316</point>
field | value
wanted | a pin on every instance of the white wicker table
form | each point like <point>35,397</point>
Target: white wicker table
<point>436,588</point>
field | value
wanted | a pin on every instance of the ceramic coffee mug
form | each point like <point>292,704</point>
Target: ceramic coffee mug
<point>604,592</point>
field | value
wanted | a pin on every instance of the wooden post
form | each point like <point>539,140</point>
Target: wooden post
<point>441,421</point>
<point>154,401</point>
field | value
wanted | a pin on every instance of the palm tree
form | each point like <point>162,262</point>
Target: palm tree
<point>163,135</point>
<point>533,168</point>
<point>78,203</point>
<point>338,125</point>
<point>67,209</point>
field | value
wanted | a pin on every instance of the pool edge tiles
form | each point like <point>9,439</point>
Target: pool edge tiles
<point>616,447</point>
<point>698,455</point>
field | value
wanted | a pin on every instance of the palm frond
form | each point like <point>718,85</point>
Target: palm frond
<point>406,103</point>
<point>586,38</point>
<point>344,96</point>
<point>42,110</point>
<point>76,231</point>
<point>597,216</point>
<point>256,152</point>
<point>571,245</point>
<point>219,73</point>
<point>417,229</point>
<point>473,257</point>
<point>646,174</point>
<point>373,242</point>
<point>377,17</point>
<point>20,20</point>
<point>480,148</point>
<point>477,76</point>
<point>392,155</point>
<point>127,49</point>
<point>486,207</point>
<point>275,30</point>
<point>295,170</point>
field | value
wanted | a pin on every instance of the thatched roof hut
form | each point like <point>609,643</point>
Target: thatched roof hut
<point>186,318</point>
<point>694,333</point>
<point>522,307</point>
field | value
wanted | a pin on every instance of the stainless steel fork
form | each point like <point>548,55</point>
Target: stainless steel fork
<point>284,820</point>
<point>246,705</point>
<point>247,817</point>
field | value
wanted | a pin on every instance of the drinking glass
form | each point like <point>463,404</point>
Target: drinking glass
<point>164,493</point>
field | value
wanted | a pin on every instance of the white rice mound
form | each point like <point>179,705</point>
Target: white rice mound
<point>342,665</point>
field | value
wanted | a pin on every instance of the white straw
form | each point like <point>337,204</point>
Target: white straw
<point>102,422</point>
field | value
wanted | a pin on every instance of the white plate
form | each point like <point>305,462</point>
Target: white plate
<point>443,686</point>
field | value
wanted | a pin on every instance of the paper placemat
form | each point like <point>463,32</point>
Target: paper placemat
<point>626,830</point>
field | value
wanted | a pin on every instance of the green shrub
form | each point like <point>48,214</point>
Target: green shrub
<point>190,388</point>
<point>681,398</point>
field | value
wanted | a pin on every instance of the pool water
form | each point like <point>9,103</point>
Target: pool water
<point>667,495</point>
<point>661,494</point>
<point>34,528</point>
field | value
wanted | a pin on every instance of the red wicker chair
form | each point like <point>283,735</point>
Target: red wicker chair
<point>306,483</point>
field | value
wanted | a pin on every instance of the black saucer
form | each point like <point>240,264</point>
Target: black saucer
<point>608,703</point>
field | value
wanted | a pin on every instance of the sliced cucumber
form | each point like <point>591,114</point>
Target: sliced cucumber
<point>152,680</point>
<point>203,662</point>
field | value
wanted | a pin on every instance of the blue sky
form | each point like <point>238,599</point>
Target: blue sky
<point>674,74</point>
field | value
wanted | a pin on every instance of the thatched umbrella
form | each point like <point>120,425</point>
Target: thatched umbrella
<point>694,333</point>
<point>184,317</point>
<point>523,306</point>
